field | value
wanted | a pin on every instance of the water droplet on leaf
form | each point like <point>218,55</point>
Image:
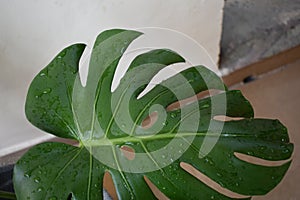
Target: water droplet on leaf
<point>285,151</point>
<point>123,50</point>
<point>63,53</point>
<point>173,115</point>
<point>46,91</point>
<point>37,179</point>
<point>205,106</point>
<point>262,148</point>
<point>42,74</point>
<point>208,160</point>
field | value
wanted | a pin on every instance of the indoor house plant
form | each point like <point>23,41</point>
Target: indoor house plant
<point>108,126</point>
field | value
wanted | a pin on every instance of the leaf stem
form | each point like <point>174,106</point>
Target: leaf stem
<point>7,195</point>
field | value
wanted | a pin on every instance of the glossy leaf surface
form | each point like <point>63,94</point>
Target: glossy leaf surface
<point>104,122</point>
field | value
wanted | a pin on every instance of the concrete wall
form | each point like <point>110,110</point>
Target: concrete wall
<point>257,29</point>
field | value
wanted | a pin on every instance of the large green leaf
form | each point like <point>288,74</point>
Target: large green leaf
<point>104,122</point>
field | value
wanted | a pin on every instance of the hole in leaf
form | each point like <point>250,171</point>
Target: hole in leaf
<point>209,182</point>
<point>128,152</point>
<point>70,196</point>
<point>207,93</point>
<point>259,161</point>
<point>225,118</point>
<point>66,141</point>
<point>157,193</point>
<point>150,120</point>
<point>176,105</point>
<point>83,65</point>
<point>109,186</point>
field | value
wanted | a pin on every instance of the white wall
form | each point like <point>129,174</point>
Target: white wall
<point>32,32</point>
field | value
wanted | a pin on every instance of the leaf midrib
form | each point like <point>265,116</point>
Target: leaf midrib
<point>161,136</point>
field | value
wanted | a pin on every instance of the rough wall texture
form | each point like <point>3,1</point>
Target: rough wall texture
<point>257,29</point>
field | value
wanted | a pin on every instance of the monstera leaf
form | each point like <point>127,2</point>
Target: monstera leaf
<point>109,127</point>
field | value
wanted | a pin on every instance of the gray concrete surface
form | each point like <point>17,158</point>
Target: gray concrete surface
<point>257,29</point>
